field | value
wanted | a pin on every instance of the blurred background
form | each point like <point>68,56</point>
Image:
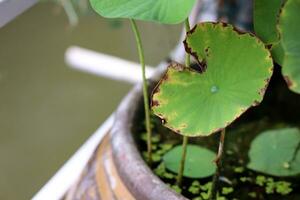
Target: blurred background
<point>48,110</point>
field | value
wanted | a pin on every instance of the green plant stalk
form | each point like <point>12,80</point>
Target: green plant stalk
<point>70,11</point>
<point>145,89</point>
<point>182,161</point>
<point>218,161</point>
<point>185,138</point>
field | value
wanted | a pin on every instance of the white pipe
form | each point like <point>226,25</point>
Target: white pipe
<point>105,65</point>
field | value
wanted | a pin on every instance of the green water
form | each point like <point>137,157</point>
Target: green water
<point>48,110</point>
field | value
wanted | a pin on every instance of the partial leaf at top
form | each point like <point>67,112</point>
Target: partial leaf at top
<point>162,11</point>
<point>289,28</point>
<point>265,19</point>
<point>238,69</point>
<point>278,23</point>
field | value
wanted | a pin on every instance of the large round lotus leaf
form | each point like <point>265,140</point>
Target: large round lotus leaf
<point>238,69</point>
<point>163,11</point>
<point>265,19</point>
<point>276,152</point>
<point>198,164</point>
<point>289,27</point>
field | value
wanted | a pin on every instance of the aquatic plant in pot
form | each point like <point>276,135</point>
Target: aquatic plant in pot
<point>231,75</point>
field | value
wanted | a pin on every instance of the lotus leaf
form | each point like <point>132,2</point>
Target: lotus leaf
<point>237,69</point>
<point>289,27</point>
<point>199,161</point>
<point>276,152</point>
<point>162,11</point>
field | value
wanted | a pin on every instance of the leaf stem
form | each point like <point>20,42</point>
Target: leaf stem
<point>218,161</point>
<point>187,56</point>
<point>185,138</point>
<point>145,89</point>
<point>182,161</point>
<point>70,11</point>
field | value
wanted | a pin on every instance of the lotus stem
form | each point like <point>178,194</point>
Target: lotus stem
<point>145,89</point>
<point>70,11</point>
<point>218,161</point>
<point>182,161</point>
<point>185,138</point>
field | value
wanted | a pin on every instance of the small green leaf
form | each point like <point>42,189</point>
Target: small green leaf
<point>165,147</point>
<point>160,170</point>
<point>239,169</point>
<point>198,164</point>
<point>283,187</point>
<point>245,179</point>
<point>238,69</point>
<point>221,198</point>
<point>261,180</point>
<point>143,136</point>
<point>154,146</point>
<point>197,198</point>
<point>176,188</point>
<point>194,190</point>
<point>168,175</point>
<point>155,156</point>
<point>162,11</point>
<point>227,190</point>
<point>205,195</point>
<point>289,28</point>
<point>196,183</point>
<point>271,150</point>
<point>206,187</point>
<point>270,187</point>
<point>155,138</point>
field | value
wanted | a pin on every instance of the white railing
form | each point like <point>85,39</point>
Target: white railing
<point>10,9</point>
<point>105,65</point>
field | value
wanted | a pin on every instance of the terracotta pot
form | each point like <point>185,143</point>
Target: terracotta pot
<point>135,174</point>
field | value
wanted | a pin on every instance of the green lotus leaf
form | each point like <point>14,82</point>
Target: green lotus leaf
<point>277,53</point>
<point>162,11</point>
<point>199,161</point>
<point>276,152</point>
<point>265,16</point>
<point>265,19</point>
<point>238,69</point>
<point>284,36</point>
<point>289,28</point>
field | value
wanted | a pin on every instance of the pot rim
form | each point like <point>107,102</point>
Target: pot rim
<point>135,173</point>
